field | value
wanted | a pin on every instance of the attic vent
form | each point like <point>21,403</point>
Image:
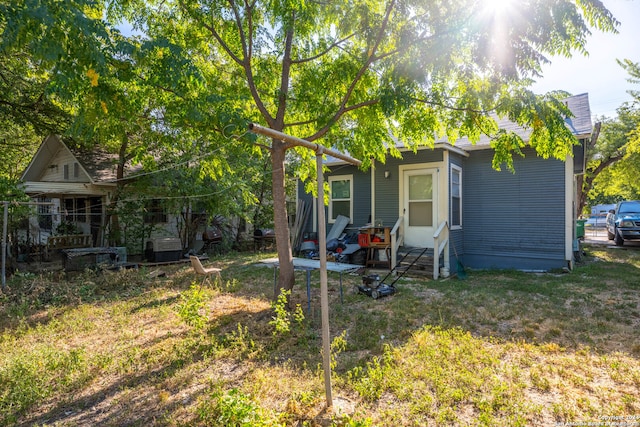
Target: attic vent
<point>66,172</point>
<point>76,170</point>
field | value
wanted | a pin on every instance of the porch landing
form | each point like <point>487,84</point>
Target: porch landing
<point>414,261</point>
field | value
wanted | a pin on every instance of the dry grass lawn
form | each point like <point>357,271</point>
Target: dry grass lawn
<point>496,349</point>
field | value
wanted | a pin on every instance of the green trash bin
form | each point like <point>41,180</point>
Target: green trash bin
<point>580,228</point>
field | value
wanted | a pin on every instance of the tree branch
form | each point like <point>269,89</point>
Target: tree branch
<point>452,108</point>
<point>284,79</point>
<point>243,40</point>
<point>365,66</point>
<point>594,135</point>
<point>602,166</point>
<point>324,52</point>
<point>213,32</point>
<point>247,48</point>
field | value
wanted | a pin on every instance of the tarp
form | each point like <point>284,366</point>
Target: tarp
<point>306,263</point>
<point>338,227</point>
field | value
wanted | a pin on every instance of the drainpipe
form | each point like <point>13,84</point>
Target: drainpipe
<point>373,191</point>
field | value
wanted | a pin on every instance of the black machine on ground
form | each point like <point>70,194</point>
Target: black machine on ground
<point>375,288</point>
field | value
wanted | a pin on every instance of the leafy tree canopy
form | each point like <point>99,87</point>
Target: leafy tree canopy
<point>346,74</point>
<point>349,73</point>
<point>617,154</point>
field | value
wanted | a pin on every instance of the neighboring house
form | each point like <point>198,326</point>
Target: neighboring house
<point>79,185</point>
<point>450,195</point>
<point>76,189</point>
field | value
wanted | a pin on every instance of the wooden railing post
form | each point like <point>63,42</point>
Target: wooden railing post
<point>440,247</point>
<point>396,240</point>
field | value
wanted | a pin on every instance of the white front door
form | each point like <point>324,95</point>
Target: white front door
<point>419,206</point>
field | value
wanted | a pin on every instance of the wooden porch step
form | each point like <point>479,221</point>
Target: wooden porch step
<point>421,266</point>
<point>414,272</point>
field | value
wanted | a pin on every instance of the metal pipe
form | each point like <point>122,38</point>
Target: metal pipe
<point>317,148</point>
<point>324,293</point>
<point>322,239</point>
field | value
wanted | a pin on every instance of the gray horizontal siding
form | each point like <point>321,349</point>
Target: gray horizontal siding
<point>361,196</point>
<point>361,193</point>
<point>513,220</point>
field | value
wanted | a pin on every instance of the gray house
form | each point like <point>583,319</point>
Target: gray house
<point>450,195</point>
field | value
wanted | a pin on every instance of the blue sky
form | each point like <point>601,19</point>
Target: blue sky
<point>599,74</point>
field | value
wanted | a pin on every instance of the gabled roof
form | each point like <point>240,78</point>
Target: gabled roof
<point>99,166</point>
<point>580,125</point>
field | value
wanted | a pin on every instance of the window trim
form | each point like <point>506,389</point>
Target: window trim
<point>458,169</point>
<point>155,212</point>
<point>331,179</point>
<point>45,213</point>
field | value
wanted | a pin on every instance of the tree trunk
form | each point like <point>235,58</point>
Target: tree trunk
<point>582,194</point>
<point>584,182</point>
<point>286,278</point>
<point>112,218</point>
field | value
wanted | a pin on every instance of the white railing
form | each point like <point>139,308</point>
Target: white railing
<point>397,238</point>
<point>440,244</point>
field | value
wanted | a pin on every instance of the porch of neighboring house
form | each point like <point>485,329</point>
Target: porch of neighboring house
<point>62,222</point>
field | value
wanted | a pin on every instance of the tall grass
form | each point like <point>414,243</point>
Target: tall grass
<point>26,379</point>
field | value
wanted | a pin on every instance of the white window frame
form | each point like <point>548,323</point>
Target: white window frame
<point>331,200</point>
<point>454,169</point>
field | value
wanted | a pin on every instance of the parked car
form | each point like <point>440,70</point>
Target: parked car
<point>623,222</point>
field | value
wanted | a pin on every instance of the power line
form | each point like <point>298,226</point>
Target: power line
<point>143,198</point>
<point>186,162</point>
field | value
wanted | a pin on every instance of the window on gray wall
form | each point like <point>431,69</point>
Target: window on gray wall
<point>456,196</point>
<point>340,196</point>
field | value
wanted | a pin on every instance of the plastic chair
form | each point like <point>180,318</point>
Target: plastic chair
<point>201,270</point>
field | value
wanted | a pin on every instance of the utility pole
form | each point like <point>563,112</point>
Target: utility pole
<point>322,240</point>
